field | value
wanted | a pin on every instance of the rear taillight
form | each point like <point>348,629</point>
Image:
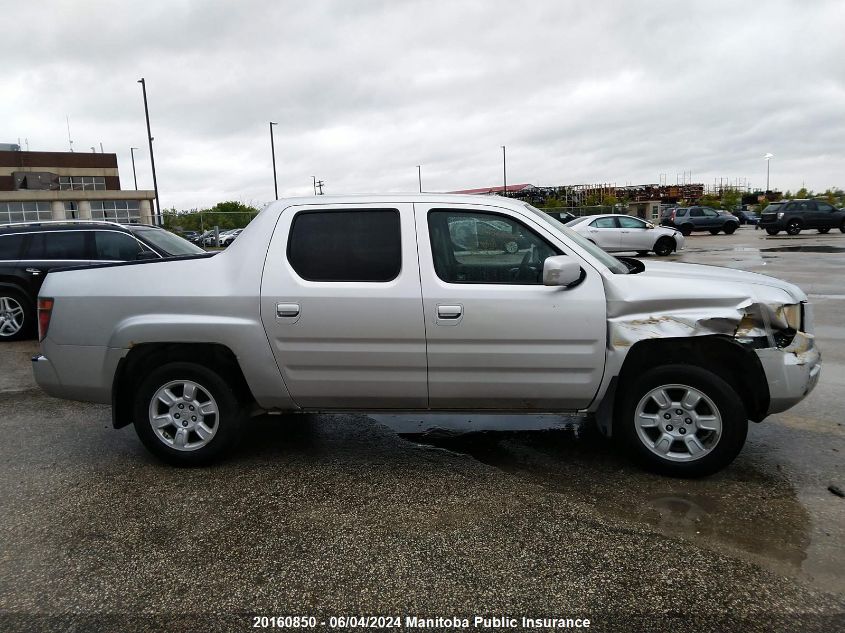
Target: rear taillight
<point>673,215</point>
<point>45,311</point>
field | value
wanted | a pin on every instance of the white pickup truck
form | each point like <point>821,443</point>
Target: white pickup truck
<point>427,303</point>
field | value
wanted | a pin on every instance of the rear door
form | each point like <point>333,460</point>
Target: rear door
<point>826,215</point>
<point>497,337</point>
<point>604,233</point>
<point>47,250</point>
<point>342,307</point>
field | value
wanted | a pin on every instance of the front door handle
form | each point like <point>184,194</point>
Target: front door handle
<point>449,312</point>
<point>287,310</point>
<point>33,271</point>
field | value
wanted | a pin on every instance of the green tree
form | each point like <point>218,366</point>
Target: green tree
<point>803,193</point>
<point>731,199</point>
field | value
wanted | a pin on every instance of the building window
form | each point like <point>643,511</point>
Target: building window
<point>123,211</point>
<point>82,183</point>
<point>25,212</point>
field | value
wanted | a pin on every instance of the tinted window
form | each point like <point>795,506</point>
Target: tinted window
<point>604,223</point>
<point>627,222</point>
<point>710,213</point>
<point>57,245</point>
<point>10,246</point>
<point>696,213</point>
<point>487,248</point>
<point>361,245</point>
<point>168,242</point>
<point>680,213</point>
<point>825,207</point>
<point>111,245</point>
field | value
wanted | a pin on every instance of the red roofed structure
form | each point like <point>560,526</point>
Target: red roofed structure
<point>492,190</point>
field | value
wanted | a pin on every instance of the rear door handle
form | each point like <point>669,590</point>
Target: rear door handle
<point>287,310</point>
<point>33,271</point>
<point>449,312</point>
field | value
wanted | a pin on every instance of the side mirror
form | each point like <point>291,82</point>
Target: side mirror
<point>649,225</point>
<point>560,270</point>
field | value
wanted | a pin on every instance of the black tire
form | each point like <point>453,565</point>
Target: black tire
<point>726,400</point>
<point>824,230</point>
<point>714,231</point>
<point>13,297</point>
<point>664,247</point>
<point>730,228</point>
<point>686,230</point>
<point>793,227</point>
<point>772,231</point>
<point>227,422</point>
<point>642,253</point>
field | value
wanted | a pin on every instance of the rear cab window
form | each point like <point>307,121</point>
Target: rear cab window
<point>346,245</point>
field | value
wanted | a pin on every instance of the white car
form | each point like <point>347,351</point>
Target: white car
<point>615,233</point>
<point>229,237</point>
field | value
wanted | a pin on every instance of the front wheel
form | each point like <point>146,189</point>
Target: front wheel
<point>730,228</point>
<point>186,414</point>
<point>680,420</point>
<point>774,231</point>
<point>794,227</point>
<point>664,247</point>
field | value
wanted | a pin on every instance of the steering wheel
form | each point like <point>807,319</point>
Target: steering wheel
<point>524,269</point>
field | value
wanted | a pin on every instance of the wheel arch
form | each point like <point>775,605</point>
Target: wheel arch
<point>736,365</point>
<point>146,356</point>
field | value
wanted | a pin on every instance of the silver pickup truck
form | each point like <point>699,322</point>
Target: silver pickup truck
<point>427,303</point>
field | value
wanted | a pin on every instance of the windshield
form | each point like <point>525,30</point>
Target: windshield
<point>611,262</point>
<point>169,243</point>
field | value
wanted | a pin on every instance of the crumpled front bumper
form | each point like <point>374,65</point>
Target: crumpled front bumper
<point>792,372</point>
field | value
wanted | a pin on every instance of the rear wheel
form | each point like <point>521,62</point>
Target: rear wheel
<point>793,227</point>
<point>686,230</point>
<point>730,228</point>
<point>642,253</point>
<point>664,246</point>
<point>824,230</point>
<point>17,315</point>
<point>681,420</point>
<point>772,231</point>
<point>186,414</point>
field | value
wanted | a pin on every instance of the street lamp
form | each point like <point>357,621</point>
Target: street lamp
<point>134,175</point>
<point>314,178</point>
<point>419,176</point>
<point>504,171</point>
<point>152,157</point>
<point>768,158</point>
<point>273,153</point>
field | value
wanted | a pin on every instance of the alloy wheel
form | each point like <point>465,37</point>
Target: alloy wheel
<point>184,415</point>
<point>11,316</point>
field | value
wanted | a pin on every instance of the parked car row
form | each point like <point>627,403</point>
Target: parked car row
<point>28,251</point>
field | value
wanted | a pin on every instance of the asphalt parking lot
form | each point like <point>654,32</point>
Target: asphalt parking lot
<point>341,515</point>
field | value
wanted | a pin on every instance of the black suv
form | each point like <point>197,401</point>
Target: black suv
<point>793,216</point>
<point>28,251</point>
<point>690,219</point>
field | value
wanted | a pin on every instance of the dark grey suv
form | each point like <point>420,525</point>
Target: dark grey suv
<point>793,216</point>
<point>28,251</point>
<point>687,220</point>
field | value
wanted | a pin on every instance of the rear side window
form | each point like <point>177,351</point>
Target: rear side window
<point>68,245</point>
<point>680,213</point>
<point>604,223</point>
<point>359,245</point>
<point>115,246</point>
<point>10,246</point>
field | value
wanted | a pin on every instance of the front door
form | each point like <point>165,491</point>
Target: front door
<point>604,233</point>
<point>636,234</point>
<point>497,337</point>
<point>341,304</point>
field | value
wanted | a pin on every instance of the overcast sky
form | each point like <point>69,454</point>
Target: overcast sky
<point>365,90</point>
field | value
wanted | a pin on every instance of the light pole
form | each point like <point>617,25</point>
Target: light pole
<point>134,175</point>
<point>504,171</point>
<point>419,176</point>
<point>273,153</point>
<point>152,157</point>
<point>314,178</point>
<point>768,158</point>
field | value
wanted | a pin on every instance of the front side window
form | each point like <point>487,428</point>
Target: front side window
<point>346,245</point>
<point>486,248</point>
<point>114,246</point>
<point>57,245</point>
<point>710,213</point>
<point>825,207</point>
